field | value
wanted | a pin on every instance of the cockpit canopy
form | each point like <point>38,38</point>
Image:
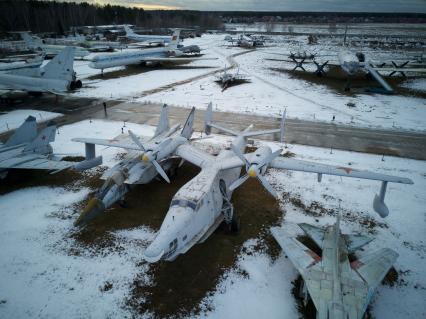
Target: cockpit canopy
<point>186,203</point>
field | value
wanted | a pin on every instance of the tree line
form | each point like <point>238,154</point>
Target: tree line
<point>54,16</point>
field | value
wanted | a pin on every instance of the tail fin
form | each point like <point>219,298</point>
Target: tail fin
<point>25,133</point>
<point>188,127</point>
<point>29,40</point>
<point>61,66</point>
<point>41,143</point>
<point>175,39</point>
<point>163,123</point>
<point>208,124</point>
<point>128,30</point>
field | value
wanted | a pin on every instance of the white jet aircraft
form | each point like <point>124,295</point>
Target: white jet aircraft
<point>203,203</point>
<point>147,38</point>
<point>49,50</point>
<point>56,77</point>
<point>169,54</point>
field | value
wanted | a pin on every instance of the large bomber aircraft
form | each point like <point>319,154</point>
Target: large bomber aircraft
<point>353,63</point>
<point>338,288</point>
<point>203,203</point>
<point>169,54</point>
<point>56,77</point>
<point>146,160</point>
<point>146,38</point>
<point>49,50</point>
<point>26,149</point>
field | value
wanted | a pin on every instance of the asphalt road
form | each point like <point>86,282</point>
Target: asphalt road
<point>388,142</point>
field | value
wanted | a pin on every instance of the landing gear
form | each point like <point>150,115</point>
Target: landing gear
<point>348,84</point>
<point>232,221</point>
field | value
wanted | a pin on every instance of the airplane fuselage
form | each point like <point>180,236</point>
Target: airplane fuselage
<point>32,84</point>
<point>195,211</point>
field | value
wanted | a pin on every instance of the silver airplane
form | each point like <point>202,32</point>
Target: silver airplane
<point>338,288</point>
<point>140,166</point>
<point>160,55</point>
<point>145,37</point>
<point>56,77</point>
<point>49,50</point>
<point>26,149</point>
<point>225,79</point>
<point>202,204</point>
<point>353,63</point>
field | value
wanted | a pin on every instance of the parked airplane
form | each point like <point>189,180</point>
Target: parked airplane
<point>203,203</point>
<point>245,41</point>
<point>141,165</point>
<point>57,76</point>
<point>49,50</point>
<point>23,64</point>
<point>26,149</point>
<point>338,288</point>
<point>169,54</point>
<point>147,38</point>
<point>353,63</point>
<point>226,79</point>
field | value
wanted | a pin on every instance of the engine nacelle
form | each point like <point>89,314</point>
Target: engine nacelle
<point>88,164</point>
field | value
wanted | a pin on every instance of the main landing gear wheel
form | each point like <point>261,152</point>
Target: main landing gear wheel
<point>235,225</point>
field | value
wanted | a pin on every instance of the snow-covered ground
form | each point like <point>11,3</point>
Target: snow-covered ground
<point>14,119</point>
<point>41,277</point>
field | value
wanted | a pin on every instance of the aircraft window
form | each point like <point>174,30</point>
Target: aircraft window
<point>183,203</point>
<point>184,237</point>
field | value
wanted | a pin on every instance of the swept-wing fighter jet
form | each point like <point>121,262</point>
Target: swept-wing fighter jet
<point>226,79</point>
<point>168,54</point>
<point>201,205</point>
<point>57,76</point>
<point>140,166</point>
<point>339,289</point>
<point>26,149</point>
<point>49,50</point>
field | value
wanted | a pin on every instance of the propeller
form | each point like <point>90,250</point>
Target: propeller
<point>151,155</point>
<point>255,170</point>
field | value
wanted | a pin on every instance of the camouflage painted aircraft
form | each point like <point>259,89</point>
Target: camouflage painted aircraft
<point>145,161</point>
<point>26,149</point>
<point>338,288</point>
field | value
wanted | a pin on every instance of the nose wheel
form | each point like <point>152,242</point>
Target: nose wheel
<point>232,221</point>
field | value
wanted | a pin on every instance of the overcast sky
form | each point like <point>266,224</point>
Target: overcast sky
<point>277,5</point>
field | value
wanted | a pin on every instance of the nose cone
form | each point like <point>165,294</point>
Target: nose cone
<point>153,255</point>
<point>145,157</point>
<point>252,172</point>
<point>94,208</point>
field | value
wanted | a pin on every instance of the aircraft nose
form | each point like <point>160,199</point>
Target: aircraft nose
<point>152,254</point>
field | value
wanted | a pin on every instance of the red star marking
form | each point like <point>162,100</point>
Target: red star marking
<point>346,169</point>
<point>174,38</point>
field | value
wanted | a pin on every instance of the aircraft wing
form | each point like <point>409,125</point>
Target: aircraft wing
<point>354,242</point>
<point>311,167</point>
<point>394,69</point>
<point>315,233</point>
<point>175,59</point>
<point>194,155</point>
<point>300,255</point>
<point>373,267</point>
<point>104,142</point>
<point>34,161</point>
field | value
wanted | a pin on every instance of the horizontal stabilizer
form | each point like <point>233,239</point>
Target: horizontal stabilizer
<point>355,242</point>
<point>373,267</point>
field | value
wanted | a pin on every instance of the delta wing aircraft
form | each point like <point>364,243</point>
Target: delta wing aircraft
<point>56,77</point>
<point>160,55</point>
<point>201,205</point>
<point>338,288</point>
<point>140,166</point>
<point>49,50</point>
<point>26,149</point>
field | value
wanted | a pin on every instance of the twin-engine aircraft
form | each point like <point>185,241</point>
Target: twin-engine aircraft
<point>338,288</point>
<point>203,203</point>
